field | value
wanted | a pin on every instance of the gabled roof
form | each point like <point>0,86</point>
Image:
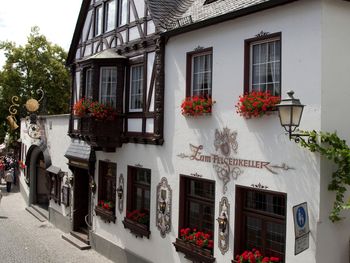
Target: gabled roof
<point>176,16</point>
<point>77,32</point>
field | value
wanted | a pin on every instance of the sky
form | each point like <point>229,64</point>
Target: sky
<point>55,18</point>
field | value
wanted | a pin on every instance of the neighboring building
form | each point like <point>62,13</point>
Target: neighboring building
<point>44,181</point>
<point>157,171</point>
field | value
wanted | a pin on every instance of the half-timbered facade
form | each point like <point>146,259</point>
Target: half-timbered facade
<point>147,177</point>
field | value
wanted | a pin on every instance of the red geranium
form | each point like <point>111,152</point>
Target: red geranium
<point>256,104</point>
<point>97,110</point>
<point>108,205</point>
<point>195,106</point>
<point>199,238</point>
<point>139,216</point>
<point>255,256</point>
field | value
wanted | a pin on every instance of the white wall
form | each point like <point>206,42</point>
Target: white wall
<point>258,139</point>
<point>57,141</point>
<point>333,239</point>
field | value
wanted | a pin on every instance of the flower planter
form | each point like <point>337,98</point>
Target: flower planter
<point>106,215</point>
<point>139,230</point>
<point>101,133</point>
<point>193,252</point>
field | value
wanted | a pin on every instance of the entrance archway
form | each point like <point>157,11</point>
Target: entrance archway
<point>38,159</point>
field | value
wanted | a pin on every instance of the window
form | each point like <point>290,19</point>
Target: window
<point>98,20</point>
<point>139,188</point>
<point>110,15</point>
<point>199,73</point>
<point>108,86</point>
<point>260,222</point>
<point>136,88</point>
<point>197,204</point>
<point>124,12</point>
<point>88,84</point>
<point>107,185</point>
<point>263,64</point>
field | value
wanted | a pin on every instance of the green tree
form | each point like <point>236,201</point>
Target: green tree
<point>37,64</point>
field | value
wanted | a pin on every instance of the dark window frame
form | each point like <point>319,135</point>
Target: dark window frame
<point>247,58</point>
<point>104,193</point>
<point>189,68</point>
<point>131,185</point>
<point>185,199</point>
<point>242,211</point>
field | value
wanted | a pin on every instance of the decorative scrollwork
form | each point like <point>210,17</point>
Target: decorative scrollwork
<point>12,109</point>
<point>40,91</point>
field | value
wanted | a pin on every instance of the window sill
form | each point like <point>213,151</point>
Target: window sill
<point>139,230</point>
<point>106,215</point>
<point>193,252</point>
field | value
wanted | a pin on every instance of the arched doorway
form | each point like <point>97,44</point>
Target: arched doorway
<point>37,177</point>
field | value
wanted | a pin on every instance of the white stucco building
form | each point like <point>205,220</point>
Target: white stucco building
<point>160,171</point>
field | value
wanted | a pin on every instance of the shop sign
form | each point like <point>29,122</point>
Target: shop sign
<point>301,227</point>
<point>224,163</point>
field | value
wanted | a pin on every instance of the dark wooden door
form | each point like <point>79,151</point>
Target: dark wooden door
<point>81,199</point>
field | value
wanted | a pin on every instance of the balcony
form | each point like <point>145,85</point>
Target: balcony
<point>105,134</point>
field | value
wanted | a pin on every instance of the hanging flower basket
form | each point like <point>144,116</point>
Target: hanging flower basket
<point>196,106</point>
<point>256,104</point>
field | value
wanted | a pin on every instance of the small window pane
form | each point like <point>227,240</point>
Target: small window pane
<point>108,86</point>
<point>98,21</point>
<point>265,66</point>
<point>136,88</point>
<point>110,15</point>
<point>88,84</point>
<point>202,75</point>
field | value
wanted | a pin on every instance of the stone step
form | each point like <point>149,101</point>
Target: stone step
<point>83,237</point>
<point>75,242</point>
<point>36,214</point>
<point>41,210</point>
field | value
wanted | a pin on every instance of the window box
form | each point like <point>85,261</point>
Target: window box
<point>196,106</point>
<point>137,229</point>
<point>193,252</point>
<point>105,214</point>
<point>101,133</point>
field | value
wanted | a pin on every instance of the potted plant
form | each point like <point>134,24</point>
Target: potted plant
<point>196,106</point>
<point>256,104</point>
<point>255,256</point>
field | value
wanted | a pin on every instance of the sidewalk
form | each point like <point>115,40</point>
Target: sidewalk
<point>24,239</point>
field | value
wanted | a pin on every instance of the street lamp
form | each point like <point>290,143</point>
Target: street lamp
<point>290,111</point>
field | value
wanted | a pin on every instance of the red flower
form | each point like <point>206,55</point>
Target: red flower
<point>199,238</point>
<point>256,104</point>
<point>195,106</point>
<point>254,256</point>
<point>97,110</point>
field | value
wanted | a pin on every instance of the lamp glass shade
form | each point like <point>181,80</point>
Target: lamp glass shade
<point>290,115</point>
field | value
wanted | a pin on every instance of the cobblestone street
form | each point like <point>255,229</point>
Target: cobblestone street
<point>24,239</point>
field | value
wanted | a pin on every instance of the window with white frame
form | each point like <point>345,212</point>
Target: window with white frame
<point>201,74</point>
<point>110,15</point>
<point>265,65</point>
<point>108,86</point>
<point>136,88</point>
<point>98,20</point>
<point>88,84</point>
